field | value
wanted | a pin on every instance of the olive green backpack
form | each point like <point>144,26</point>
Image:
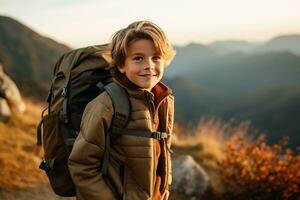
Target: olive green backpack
<point>79,76</point>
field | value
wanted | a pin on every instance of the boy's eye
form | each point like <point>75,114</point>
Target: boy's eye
<point>156,58</point>
<point>138,58</point>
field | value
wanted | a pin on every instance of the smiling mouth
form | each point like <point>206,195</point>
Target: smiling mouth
<point>148,75</point>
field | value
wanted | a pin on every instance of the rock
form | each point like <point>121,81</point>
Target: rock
<point>4,110</point>
<point>189,178</point>
<point>10,97</point>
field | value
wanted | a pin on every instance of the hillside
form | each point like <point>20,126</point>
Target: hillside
<point>274,110</point>
<point>233,75</point>
<point>17,139</point>
<point>20,157</point>
<point>28,57</point>
<point>238,86</point>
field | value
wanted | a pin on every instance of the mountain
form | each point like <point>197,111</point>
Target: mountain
<point>275,110</point>
<point>257,87</point>
<point>232,46</point>
<point>27,56</point>
<point>189,57</point>
<point>283,43</point>
<point>191,99</point>
<point>233,75</point>
<point>196,56</point>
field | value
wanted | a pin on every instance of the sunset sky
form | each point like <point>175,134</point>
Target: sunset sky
<point>85,22</point>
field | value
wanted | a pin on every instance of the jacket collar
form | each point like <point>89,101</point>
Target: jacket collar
<point>157,94</point>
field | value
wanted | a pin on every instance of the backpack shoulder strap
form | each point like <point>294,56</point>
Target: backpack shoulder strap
<point>121,104</point>
<point>122,110</point>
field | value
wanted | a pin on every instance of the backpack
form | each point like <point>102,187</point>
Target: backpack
<point>79,76</point>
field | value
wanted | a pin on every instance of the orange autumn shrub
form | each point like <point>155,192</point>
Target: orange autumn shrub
<point>255,170</point>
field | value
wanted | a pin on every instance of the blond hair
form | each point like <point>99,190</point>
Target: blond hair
<point>123,38</point>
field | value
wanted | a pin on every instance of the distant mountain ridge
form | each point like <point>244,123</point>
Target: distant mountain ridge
<point>283,43</point>
<point>196,55</point>
<point>27,56</point>
<point>224,47</point>
<point>279,43</point>
<point>243,81</point>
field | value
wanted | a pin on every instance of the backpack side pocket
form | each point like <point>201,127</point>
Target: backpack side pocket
<point>52,138</point>
<point>55,162</point>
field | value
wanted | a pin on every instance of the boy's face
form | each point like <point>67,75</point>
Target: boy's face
<point>143,65</point>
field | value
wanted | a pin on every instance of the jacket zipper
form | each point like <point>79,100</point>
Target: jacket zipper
<point>166,147</point>
<point>152,110</point>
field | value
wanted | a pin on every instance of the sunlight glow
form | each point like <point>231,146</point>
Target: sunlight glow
<point>79,22</point>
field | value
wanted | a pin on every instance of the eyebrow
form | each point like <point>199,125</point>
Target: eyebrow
<point>142,54</point>
<point>136,54</point>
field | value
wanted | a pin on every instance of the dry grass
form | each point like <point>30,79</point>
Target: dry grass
<point>19,156</point>
<point>207,142</point>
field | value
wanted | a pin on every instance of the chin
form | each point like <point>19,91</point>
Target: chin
<point>147,87</point>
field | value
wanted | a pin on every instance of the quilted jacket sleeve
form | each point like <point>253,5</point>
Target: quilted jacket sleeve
<point>85,159</point>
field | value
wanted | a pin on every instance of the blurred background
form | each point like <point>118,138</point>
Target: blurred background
<point>237,62</point>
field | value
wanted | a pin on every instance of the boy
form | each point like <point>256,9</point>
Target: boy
<point>139,167</point>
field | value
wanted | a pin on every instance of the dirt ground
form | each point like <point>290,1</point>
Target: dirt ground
<point>42,192</point>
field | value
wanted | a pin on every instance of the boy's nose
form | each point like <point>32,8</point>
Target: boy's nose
<point>149,64</point>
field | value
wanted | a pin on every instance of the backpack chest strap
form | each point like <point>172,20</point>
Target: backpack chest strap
<point>148,134</point>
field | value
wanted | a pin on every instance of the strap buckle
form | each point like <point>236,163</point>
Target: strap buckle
<point>159,135</point>
<point>47,165</point>
<point>64,92</point>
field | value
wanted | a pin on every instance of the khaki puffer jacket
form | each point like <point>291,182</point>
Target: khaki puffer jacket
<point>132,159</point>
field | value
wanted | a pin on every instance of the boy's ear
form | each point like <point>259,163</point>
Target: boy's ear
<point>121,69</point>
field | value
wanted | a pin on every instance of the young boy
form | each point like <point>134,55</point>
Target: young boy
<point>139,167</point>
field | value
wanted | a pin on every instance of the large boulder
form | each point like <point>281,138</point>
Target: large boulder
<point>189,178</point>
<point>10,97</point>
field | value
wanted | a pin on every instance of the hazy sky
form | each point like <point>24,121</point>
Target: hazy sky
<point>85,22</point>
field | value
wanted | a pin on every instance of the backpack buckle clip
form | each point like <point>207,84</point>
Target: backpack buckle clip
<point>47,165</point>
<point>64,92</point>
<point>159,135</point>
